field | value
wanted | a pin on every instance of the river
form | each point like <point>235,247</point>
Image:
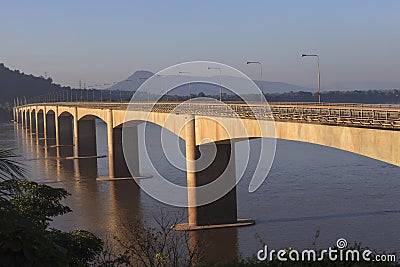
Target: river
<point>309,188</point>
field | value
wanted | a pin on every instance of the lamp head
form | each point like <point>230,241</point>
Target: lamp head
<point>303,55</point>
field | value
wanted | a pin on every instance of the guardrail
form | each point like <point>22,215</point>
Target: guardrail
<point>344,114</point>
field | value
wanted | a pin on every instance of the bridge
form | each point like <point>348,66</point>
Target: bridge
<point>369,130</point>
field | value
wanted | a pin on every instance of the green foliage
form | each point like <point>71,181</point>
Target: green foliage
<point>38,202</point>
<point>26,208</point>
<point>9,167</point>
<point>81,246</point>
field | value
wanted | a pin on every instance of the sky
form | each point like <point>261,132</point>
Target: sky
<point>98,42</point>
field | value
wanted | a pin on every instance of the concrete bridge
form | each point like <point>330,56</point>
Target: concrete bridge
<point>368,130</point>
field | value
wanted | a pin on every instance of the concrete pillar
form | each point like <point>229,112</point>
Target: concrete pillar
<point>50,129</point>
<point>76,143</point>
<point>30,121</point>
<point>33,119</point>
<point>131,149</point>
<point>110,143</point>
<point>87,138</point>
<point>56,127</point>
<point>45,126</point>
<point>26,123</point>
<point>26,120</point>
<point>190,142</point>
<point>14,117</point>
<point>37,126</point>
<point>86,147</point>
<point>17,115</point>
<point>65,136</point>
<point>65,131</point>
<point>224,210</point>
<point>22,118</point>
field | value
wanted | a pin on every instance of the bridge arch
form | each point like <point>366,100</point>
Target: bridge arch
<point>40,109</point>
<point>90,114</point>
<point>65,113</point>
<point>91,117</point>
<point>51,109</point>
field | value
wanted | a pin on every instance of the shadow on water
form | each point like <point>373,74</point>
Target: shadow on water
<point>86,168</point>
<point>220,245</point>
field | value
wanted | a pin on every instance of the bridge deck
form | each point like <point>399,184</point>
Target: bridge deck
<point>343,114</point>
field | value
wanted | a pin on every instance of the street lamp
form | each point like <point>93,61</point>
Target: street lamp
<point>165,84</point>
<point>148,93</point>
<point>261,79</point>
<point>220,81</point>
<point>190,84</point>
<point>319,75</point>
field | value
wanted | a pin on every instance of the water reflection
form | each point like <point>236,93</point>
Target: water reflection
<point>309,188</point>
<point>219,245</point>
<point>86,168</point>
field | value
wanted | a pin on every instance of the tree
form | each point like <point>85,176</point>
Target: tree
<point>26,209</point>
<point>160,246</point>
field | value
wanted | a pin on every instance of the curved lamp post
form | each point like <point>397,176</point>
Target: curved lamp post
<point>220,81</point>
<point>190,83</point>
<point>261,78</point>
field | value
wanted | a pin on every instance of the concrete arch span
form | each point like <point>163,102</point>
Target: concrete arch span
<point>378,143</point>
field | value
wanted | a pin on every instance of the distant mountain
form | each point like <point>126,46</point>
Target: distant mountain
<point>343,86</point>
<point>133,82</point>
<point>14,83</point>
<point>281,87</point>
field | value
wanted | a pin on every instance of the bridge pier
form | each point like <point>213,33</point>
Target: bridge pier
<point>76,143</point>
<point>36,126</point>
<point>65,131</point>
<point>40,120</point>
<point>26,121</point>
<point>110,144</point>
<point>23,119</point>
<point>222,212</point>
<point>33,122</point>
<point>50,129</point>
<point>56,132</point>
<point>118,169</point>
<point>85,152</point>
<point>44,127</point>
<point>65,136</point>
<point>87,138</point>
<point>29,121</point>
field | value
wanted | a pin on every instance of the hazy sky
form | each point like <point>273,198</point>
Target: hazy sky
<point>100,42</point>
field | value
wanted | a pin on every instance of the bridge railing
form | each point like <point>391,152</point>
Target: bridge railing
<point>360,115</point>
<point>337,104</point>
<point>367,115</point>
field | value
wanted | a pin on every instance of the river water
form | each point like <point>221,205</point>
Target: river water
<point>309,188</point>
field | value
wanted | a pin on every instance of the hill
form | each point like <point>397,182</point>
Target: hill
<point>14,83</point>
<point>133,82</point>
